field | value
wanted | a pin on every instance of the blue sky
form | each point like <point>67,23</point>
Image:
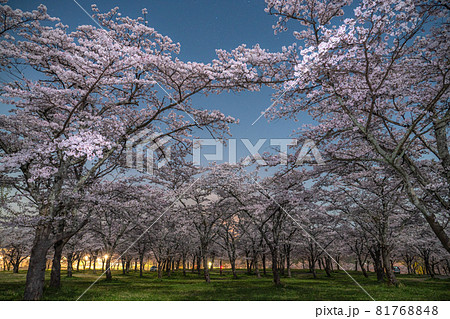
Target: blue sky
<point>201,26</point>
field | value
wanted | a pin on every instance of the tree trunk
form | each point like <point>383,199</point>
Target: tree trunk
<point>426,260</point>
<point>206,269</point>
<point>55,275</point>
<point>16,265</point>
<point>255,265</point>
<point>169,267</point>
<point>275,271</point>
<point>264,263</point>
<point>233,268</point>
<point>312,266</point>
<point>141,265</point>
<point>232,258</point>
<point>282,261</point>
<point>69,264</point>
<point>247,261</point>
<point>361,264</point>
<point>94,258</point>
<point>387,267</point>
<point>128,265</point>
<point>377,263</point>
<point>123,266</point>
<point>198,264</point>
<point>34,286</point>
<point>288,263</point>
<point>108,269</point>
<point>327,265</point>
<point>160,270</point>
<point>364,271</point>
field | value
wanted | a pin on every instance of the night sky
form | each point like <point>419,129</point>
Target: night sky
<point>201,27</point>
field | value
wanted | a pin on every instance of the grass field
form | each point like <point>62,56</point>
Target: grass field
<point>247,287</point>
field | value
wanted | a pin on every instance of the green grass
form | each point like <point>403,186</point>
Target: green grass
<point>247,287</point>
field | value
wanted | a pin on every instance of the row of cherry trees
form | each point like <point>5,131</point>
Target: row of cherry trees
<point>78,96</point>
<point>376,84</point>
<point>226,214</point>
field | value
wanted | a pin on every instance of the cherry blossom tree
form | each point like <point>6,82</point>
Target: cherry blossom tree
<point>372,208</point>
<point>15,242</point>
<point>230,235</point>
<point>267,204</point>
<point>205,209</point>
<point>96,87</point>
<point>121,208</point>
<point>377,85</point>
<point>74,248</point>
